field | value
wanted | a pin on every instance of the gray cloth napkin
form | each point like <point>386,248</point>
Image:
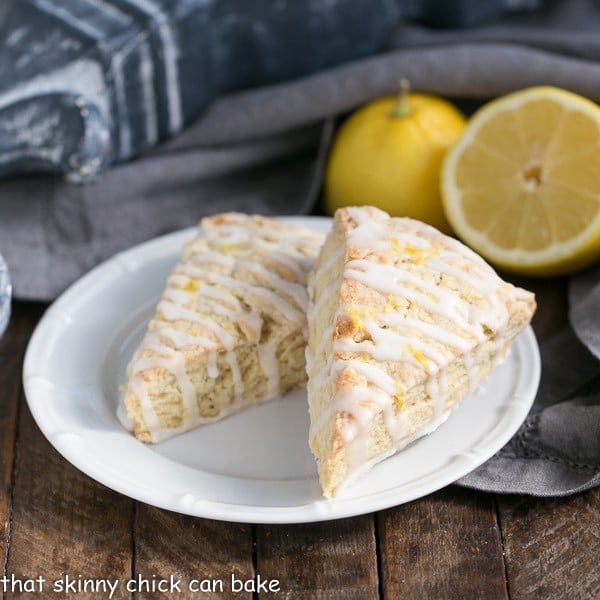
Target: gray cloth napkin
<point>556,451</point>
<point>263,150</point>
<point>52,231</point>
<point>257,150</point>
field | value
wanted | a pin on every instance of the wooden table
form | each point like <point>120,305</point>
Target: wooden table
<point>456,543</point>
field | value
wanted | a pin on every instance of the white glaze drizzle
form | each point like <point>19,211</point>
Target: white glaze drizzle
<point>203,307</point>
<point>270,366</point>
<point>448,325</point>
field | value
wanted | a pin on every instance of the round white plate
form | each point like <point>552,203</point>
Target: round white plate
<point>254,466</point>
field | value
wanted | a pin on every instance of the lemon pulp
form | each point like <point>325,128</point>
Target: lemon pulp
<point>522,185</point>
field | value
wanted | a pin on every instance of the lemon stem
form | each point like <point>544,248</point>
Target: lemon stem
<point>401,108</point>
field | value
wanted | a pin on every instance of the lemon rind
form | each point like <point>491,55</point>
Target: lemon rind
<point>578,251</point>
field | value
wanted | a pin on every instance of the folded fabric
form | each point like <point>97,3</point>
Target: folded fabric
<point>86,84</point>
<point>556,451</point>
<point>52,231</point>
<point>584,302</point>
<point>257,150</point>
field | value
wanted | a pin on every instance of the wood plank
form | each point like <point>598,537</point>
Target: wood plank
<point>329,560</point>
<point>195,552</point>
<point>447,545</point>
<point>12,349</point>
<point>63,522</point>
<point>552,546</point>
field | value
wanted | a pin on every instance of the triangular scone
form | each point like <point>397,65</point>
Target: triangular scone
<point>230,328</point>
<point>403,322</point>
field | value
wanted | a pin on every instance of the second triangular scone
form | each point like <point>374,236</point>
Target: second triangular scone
<point>403,323</point>
<point>229,330</point>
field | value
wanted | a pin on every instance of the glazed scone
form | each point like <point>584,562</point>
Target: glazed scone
<point>404,321</point>
<point>229,330</point>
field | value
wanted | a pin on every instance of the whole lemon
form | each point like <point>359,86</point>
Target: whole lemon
<point>389,153</point>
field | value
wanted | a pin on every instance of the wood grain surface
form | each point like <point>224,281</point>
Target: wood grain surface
<point>448,545</point>
<point>334,559</point>
<point>455,543</point>
<point>12,347</point>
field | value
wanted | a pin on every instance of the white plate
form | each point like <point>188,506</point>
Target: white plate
<point>251,467</point>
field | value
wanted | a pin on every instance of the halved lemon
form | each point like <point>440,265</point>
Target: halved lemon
<point>522,184</point>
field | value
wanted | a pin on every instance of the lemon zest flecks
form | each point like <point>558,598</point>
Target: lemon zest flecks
<point>414,254</point>
<point>398,398</point>
<point>191,285</point>
<point>357,314</point>
<point>418,356</point>
<point>229,248</point>
<point>392,303</point>
<point>365,357</point>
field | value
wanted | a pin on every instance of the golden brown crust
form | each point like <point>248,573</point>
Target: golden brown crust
<point>430,266</point>
<point>230,328</point>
